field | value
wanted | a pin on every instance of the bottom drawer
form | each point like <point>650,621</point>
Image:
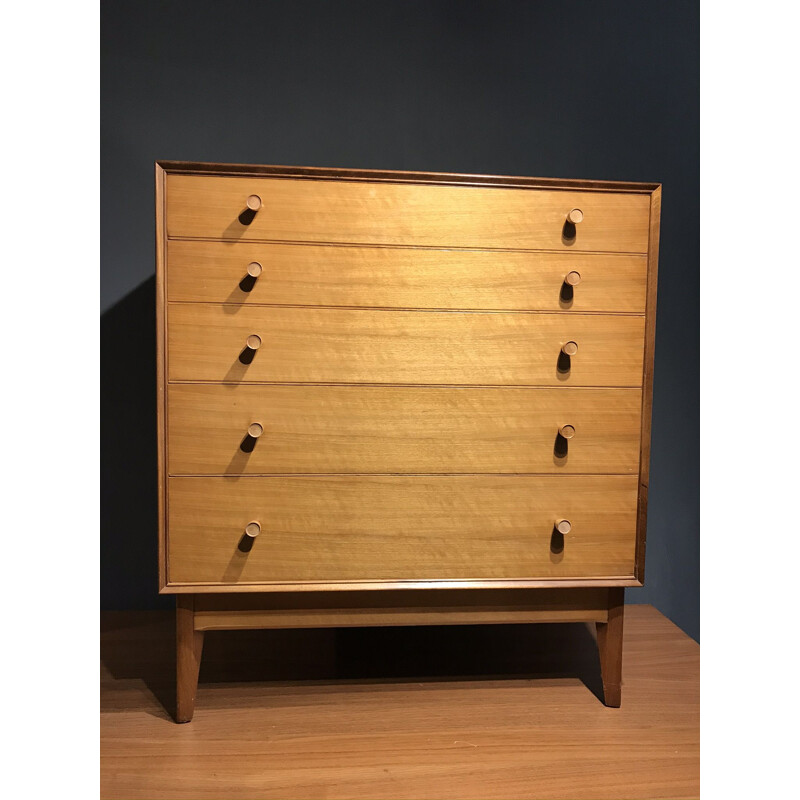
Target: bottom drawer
<point>331,529</point>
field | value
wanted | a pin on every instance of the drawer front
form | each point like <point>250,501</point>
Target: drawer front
<point>373,429</point>
<point>207,342</point>
<point>390,277</point>
<point>405,214</point>
<point>399,528</point>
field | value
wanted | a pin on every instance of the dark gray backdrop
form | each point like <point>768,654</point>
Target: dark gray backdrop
<point>551,88</point>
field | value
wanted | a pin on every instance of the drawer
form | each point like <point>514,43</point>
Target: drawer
<point>399,528</point>
<point>391,277</point>
<point>387,429</point>
<point>405,214</point>
<point>207,342</point>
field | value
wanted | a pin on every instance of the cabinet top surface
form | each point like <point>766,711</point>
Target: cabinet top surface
<point>395,176</point>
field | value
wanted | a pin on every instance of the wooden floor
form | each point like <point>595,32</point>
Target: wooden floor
<point>461,712</point>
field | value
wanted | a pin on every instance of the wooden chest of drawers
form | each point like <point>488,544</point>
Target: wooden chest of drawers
<point>394,398</point>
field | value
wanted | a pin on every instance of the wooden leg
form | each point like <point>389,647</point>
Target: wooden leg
<point>609,643</point>
<point>190,648</point>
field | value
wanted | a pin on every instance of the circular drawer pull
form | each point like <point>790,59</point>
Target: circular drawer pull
<point>252,529</point>
<point>569,349</point>
<point>254,269</point>
<point>567,431</point>
<point>255,430</point>
<point>563,526</point>
<point>573,278</point>
<point>254,202</point>
<point>575,216</point>
<point>253,342</point>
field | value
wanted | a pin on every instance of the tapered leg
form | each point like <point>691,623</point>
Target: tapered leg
<point>190,649</point>
<point>609,643</point>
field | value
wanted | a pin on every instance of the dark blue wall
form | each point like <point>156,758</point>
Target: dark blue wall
<point>606,90</point>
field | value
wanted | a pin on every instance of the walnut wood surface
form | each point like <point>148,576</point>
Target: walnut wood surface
<point>394,528</point>
<point>386,429</point>
<point>409,347</point>
<point>402,277</point>
<point>490,712</point>
<point>404,214</point>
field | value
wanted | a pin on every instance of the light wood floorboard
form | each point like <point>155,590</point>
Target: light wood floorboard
<point>460,712</point>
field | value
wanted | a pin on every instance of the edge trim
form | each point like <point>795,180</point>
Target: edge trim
<point>396,176</point>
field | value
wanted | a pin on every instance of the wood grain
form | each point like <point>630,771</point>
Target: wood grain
<point>404,214</point>
<point>384,429</point>
<point>648,366</point>
<point>492,712</point>
<point>609,646</point>
<point>395,277</point>
<point>207,168</point>
<point>189,640</point>
<point>370,303</point>
<point>407,347</point>
<point>395,528</point>
<point>161,370</point>
<point>393,608</point>
<point>480,584</point>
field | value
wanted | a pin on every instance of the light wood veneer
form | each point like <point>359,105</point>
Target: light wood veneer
<point>404,214</point>
<point>393,398</point>
<point>330,345</point>
<point>371,528</point>
<point>489,712</point>
<point>408,429</point>
<point>404,277</point>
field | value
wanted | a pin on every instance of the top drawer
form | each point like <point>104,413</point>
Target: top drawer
<point>304,210</point>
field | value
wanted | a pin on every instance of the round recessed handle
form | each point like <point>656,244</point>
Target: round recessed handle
<point>567,431</point>
<point>569,349</point>
<point>573,278</point>
<point>575,216</point>
<point>252,529</point>
<point>255,430</point>
<point>253,341</point>
<point>563,526</point>
<point>254,269</point>
<point>254,202</point>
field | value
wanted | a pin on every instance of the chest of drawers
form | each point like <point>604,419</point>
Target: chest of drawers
<point>391,398</point>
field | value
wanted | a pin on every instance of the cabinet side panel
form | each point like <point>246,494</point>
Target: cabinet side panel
<point>161,373</point>
<point>647,379</point>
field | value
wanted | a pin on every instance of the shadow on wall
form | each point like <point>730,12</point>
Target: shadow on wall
<point>129,482</point>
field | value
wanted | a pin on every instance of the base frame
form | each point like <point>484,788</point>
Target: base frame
<point>198,613</point>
